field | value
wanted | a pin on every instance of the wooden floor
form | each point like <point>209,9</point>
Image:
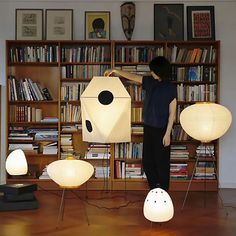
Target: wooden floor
<point>96,213</point>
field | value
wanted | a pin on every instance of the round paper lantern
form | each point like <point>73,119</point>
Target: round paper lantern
<point>205,121</point>
<point>16,163</point>
<point>158,206</point>
<point>70,173</point>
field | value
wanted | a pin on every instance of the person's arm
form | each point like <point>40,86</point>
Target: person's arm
<point>171,119</point>
<point>124,74</point>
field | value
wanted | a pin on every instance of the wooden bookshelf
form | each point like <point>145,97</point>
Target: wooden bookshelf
<point>66,67</point>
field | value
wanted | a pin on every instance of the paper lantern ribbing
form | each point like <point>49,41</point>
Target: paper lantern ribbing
<point>158,206</point>
<point>105,107</point>
<point>16,163</point>
<point>70,173</point>
<point>205,121</point>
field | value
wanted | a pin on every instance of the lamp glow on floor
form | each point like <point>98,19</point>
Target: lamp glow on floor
<point>204,121</point>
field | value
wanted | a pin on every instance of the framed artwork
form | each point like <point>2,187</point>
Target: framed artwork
<point>201,23</point>
<point>29,24</point>
<point>169,22</point>
<point>97,25</point>
<point>59,24</point>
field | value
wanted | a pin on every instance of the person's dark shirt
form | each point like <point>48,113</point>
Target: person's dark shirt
<point>158,96</point>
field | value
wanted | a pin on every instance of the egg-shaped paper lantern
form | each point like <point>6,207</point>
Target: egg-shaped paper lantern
<point>16,163</point>
<point>70,173</point>
<point>205,121</point>
<point>158,206</point>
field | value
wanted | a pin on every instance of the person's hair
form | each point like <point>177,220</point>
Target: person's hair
<point>98,23</point>
<point>161,67</point>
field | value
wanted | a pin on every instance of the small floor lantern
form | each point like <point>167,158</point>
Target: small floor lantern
<point>158,206</point>
<point>69,174</point>
<point>17,196</point>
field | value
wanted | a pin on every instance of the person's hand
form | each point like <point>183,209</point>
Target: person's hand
<point>109,72</point>
<point>166,140</point>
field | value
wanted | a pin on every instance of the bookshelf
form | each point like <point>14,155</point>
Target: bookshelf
<point>50,120</point>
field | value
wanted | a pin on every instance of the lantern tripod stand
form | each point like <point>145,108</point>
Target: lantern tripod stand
<point>204,169</point>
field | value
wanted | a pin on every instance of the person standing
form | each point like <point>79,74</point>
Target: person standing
<point>159,113</point>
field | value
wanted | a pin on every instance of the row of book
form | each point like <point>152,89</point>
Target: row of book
<point>195,73</point>
<point>83,71</point>
<point>27,90</point>
<point>140,69</point>
<point>128,150</point>
<point>202,92</point>
<point>70,113</point>
<point>178,134</point>
<point>136,114</point>
<point>44,53</point>
<point>72,91</point>
<point>135,91</point>
<point>84,53</point>
<point>192,55</point>
<point>137,54</point>
<point>128,170</point>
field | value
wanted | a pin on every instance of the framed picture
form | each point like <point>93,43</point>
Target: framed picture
<point>201,23</point>
<point>59,24</point>
<point>169,22</point>
<point>97,25</point>
<point>29,24</point>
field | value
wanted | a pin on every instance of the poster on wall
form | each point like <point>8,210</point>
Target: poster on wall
<point>29,24</point>
<point>169,22</point>
<point>200,23</point>
<point>97,25</point>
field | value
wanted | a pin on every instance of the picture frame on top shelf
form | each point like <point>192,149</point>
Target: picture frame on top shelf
<point>169,22</point>
<point>200,22</point>
<point>97,25</point>
<point>29,24</point>
<point>59,24</point>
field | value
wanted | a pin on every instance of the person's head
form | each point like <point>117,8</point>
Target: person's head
<point>161,67</point>
<point>98,24</point>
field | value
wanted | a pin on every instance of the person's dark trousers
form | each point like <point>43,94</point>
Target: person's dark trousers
<point>156,158</point>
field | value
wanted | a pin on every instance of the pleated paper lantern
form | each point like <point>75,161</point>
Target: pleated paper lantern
<point>158,206</point>
<point>16,163</point>
<point>70,173</point>
<point>106,108</point>
<point>205,121</point>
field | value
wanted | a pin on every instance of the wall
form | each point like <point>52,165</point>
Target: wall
<point>225,21</point>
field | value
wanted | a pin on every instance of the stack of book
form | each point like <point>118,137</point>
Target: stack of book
<point>179,152</point>
<point>67,148</point>
<point>178,171</point>
<point>205,170</point>
<point>98,151</point>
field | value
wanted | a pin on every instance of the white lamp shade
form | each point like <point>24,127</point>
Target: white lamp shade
<point>16,163</point>
<point>158,206</point>
<point>205,121</point>
<point>106,111</point>
<point>70,173</point>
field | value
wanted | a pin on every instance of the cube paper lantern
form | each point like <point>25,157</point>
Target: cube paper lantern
<point>106,111</point>
<point>158,206</point>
